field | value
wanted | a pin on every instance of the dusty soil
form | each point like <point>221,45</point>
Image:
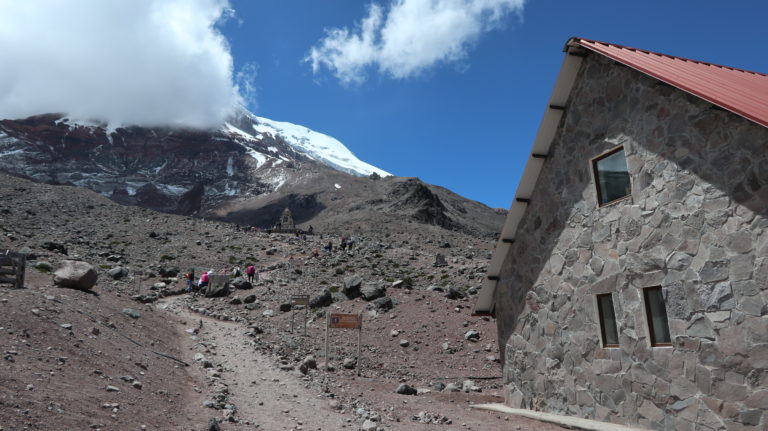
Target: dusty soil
<point>54,378</point>
<point>243,354</point>
<point>272,398</point>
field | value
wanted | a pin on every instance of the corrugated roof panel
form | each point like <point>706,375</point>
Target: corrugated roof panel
<point>740,91</point>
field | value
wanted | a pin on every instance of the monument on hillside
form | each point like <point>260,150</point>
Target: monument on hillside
<point>286,222</point>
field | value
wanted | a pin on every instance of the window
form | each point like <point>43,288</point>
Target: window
<point>611,176</point>
<point>656,313</point>
<point>607,320</point>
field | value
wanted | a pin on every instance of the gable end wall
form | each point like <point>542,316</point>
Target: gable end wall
<point>696,225</point>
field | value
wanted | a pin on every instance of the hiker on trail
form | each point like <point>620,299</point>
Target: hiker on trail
<point>329,247</point>
<point>250,271</point>
<point>190,276</point>
<point>236,272</point>
<point>311,229</point>
<point>315,253</point>
<point>343,243</point>
<point>203,281</point>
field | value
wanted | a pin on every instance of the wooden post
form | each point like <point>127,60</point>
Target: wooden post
<point>20,270</point>
<point>359,341</point>
<point>327,324</point>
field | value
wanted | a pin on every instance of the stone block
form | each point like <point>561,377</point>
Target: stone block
<point>515,398</point>
<point>761,272</point>
<point>744,288</point>
<point>741,267</point>
<point>683,388</point>
<point>731,340</point>
<point>740,242</point>
<point>750,417</point>
<point>758,400</point>
<point>756,329</point>
<point>758,355</point>
<point>649,410</point>
<point>701,327</point>
<point>729,391</point>
<point>751,306</point>
<point>714,270</point>
<point>678,261</point>
<point>703,379</point>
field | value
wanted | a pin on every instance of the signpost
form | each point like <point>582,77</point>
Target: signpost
<point>344,321</point>
<point>300,300</point>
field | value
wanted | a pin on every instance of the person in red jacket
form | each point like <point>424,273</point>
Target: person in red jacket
<point>250,271</point>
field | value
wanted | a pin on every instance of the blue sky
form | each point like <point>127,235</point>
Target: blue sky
<point>450,91</point>
<point>467,125</point>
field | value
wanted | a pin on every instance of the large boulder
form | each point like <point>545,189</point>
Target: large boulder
<point>453,293</point>
<point>212,291</point>
<point>384,303</point>
<point>75,274</point>
<point>54,246</point>
<point>169,271</point>
<point>324,299</point>
<point>372,290</point>
<point>352,286</point>
<point>240,283</point>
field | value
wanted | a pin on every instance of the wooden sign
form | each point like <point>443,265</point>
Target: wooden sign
<point>350,321</point>
<point>344,321</point>
<point>300,300</point>
<point>12,268</point>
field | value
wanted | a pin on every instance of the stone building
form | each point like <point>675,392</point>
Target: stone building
<point>286,222</point>
<point>630,282</point>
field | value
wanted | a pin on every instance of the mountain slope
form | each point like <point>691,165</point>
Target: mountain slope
<point>247,171</point>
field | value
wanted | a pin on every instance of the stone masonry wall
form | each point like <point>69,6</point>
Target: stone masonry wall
<point>696,225</point>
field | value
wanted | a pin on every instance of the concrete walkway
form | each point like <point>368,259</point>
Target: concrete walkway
<point>569,421</point>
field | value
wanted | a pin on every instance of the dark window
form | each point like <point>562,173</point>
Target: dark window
<point>607,320</point>
<point>656,313</point>
<point>611,176</point>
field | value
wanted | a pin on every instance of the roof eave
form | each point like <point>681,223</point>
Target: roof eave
<point>566,79</point>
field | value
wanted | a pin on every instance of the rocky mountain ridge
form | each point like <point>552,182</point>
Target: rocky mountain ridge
<point>247,172</point>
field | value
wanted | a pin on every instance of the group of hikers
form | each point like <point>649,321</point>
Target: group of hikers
<point>204,280</point>
<point>195,286</point>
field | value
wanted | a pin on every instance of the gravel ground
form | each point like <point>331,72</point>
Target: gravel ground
<point>249,354</point>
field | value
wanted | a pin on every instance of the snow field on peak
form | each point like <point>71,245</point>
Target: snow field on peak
<point>317,146</point>
<point>259,157</point>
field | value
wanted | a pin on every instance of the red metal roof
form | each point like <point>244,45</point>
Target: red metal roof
<point>740,91</point>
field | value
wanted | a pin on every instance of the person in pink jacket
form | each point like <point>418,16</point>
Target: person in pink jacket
<point>203,280</point>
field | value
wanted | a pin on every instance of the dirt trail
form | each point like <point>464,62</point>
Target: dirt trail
<point>265,396</point>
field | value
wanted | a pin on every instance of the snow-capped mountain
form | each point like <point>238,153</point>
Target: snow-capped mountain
<point>314,145</point>
<point>317,146</point>
<point>248,170</point>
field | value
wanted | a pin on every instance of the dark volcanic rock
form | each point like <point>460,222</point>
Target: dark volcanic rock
<point>352,286</point>
<point>324,299</point>
<point>372,290</point>
<point>426,206</point>
<point>211,291</point>
<point>240,283</point>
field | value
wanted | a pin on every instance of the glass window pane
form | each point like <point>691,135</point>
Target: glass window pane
<point>657,316</point>
<point>613,177</point>
<point>608,320</point>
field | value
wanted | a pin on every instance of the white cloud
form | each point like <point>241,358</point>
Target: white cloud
<point>147,62</point>
<point>409,37</point>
